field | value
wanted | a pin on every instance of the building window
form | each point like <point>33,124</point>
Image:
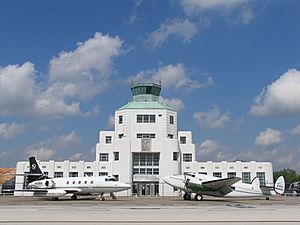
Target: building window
<point>103,157</point>
<point>175,156</point>
<point>145,118</point>
<point>88,174</point>
<point>107,139</point>
<point>120,119</point>
<point>155,171</point>
<point>182,140</point>
<point>187,157</point>
<point>88,167</point>
<point>58,174</point>
<point>231,174</point>
<point>171,119</point>
<point>58,167</point>
<point>116,156</point>
<point>46,173</point>
<point>102,174</point>
<point>44,167</point>
<point>204,173</point>
<point>144,135</point>
<point>262,178</point>
<point>217,174</point>
<point>73,174</point>
<point>246,177</point>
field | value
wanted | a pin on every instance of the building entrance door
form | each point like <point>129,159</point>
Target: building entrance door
<point>146,188</point>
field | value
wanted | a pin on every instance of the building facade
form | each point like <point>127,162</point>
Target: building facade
<point>146,146</point>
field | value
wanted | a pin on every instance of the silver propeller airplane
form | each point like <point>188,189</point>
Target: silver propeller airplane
<point>197,185</point>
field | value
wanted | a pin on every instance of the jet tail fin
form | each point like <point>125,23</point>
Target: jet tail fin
<point>35,171</point>
<point>279,186</point>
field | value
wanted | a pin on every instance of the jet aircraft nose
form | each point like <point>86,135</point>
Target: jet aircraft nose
<point>124,186</point>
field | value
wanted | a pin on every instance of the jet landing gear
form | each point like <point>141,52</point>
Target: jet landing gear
<point>74,197</point>
<point>197,197</point>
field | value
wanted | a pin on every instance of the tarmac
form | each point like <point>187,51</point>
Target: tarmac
<point>151,210</point>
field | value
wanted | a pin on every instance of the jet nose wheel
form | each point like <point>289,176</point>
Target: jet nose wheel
<point>198,197</point>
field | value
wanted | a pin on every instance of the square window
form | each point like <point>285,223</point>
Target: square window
<point>183,140</point>
<point>187,157</point>
<point>152,118</point>
<point>139,118</point>
<point>103,157</point>
<point>107,139</point>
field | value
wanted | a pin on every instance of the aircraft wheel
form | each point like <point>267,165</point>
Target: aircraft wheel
<point>187,196</point>
<point>198,197</point>
<point>267,198</point>
<point>55,199</point>
<point>74,197</point>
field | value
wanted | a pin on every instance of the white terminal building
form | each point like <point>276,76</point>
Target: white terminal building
<point>145,147</point>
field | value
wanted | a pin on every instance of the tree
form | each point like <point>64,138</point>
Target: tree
<point>289,175</point>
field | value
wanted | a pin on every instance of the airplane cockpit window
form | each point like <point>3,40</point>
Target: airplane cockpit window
<point>190,174</point>
<point>106,179</point>
<point>110,179</point>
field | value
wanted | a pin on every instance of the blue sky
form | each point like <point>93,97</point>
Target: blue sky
<point>230,68</point>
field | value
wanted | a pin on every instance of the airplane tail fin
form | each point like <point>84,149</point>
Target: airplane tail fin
<point>279,186</point>
<point>35,171</point>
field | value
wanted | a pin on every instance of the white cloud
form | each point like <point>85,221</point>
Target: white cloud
<point>134,16</point>
<point>282,97</point>
<point>41,153</point>
<point>192,7</point>
<point>8,131</point>
<point>234,11</point>
<point>212,150</point>
<point>111,121</point>
<point>212,119</point>
<point>66,140</point>
<point>77,157</point>
<point>18,90</point>
<point>296,130</point>
<point>175,103</point>
<point>182,29</point>
<point>86,68</point>
<point>269,137</point>
<point>174,76</point>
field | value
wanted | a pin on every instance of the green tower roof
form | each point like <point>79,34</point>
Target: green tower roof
<point>145,95</point>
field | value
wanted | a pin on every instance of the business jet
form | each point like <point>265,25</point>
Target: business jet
<point>197,185</point>
<point>41,185</point>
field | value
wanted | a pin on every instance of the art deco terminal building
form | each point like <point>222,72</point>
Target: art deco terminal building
<point>146,146</point>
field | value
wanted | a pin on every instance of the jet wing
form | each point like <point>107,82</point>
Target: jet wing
<point>216,185</point>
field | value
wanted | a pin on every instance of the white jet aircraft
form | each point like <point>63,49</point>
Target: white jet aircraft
<point>43,186</point>
<point>197,185</point>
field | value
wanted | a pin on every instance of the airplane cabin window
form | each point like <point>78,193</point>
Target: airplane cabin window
<point>92,182</point>
<point>74,182</point>
<point>68,182</point>
<point>79,182</point>
<point>106,179</point>
<point>85,182</point>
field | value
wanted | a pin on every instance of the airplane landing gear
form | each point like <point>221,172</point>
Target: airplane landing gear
<point>187,196</point>
<point>267,198</point>
<point>198,197</point>
<point>74,197</point>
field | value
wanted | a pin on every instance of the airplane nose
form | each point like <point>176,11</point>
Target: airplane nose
<point>168,180</point>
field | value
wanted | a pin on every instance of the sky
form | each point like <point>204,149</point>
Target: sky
<point>231,68</point>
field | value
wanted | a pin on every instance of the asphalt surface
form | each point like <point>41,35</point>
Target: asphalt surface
<point>155,210</point>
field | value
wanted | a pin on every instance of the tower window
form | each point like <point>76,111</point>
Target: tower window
<point>107,139</point>
<point>171,119</point>
<point>103,157</point>
<point>175,156</point>
<point>187,157</point>
<point>120,119</point>
<point>182,140</point>
<point>116,156</point>
<point>145,118</point>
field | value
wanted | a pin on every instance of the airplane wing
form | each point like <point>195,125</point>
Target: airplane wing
<point>216,185</point>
